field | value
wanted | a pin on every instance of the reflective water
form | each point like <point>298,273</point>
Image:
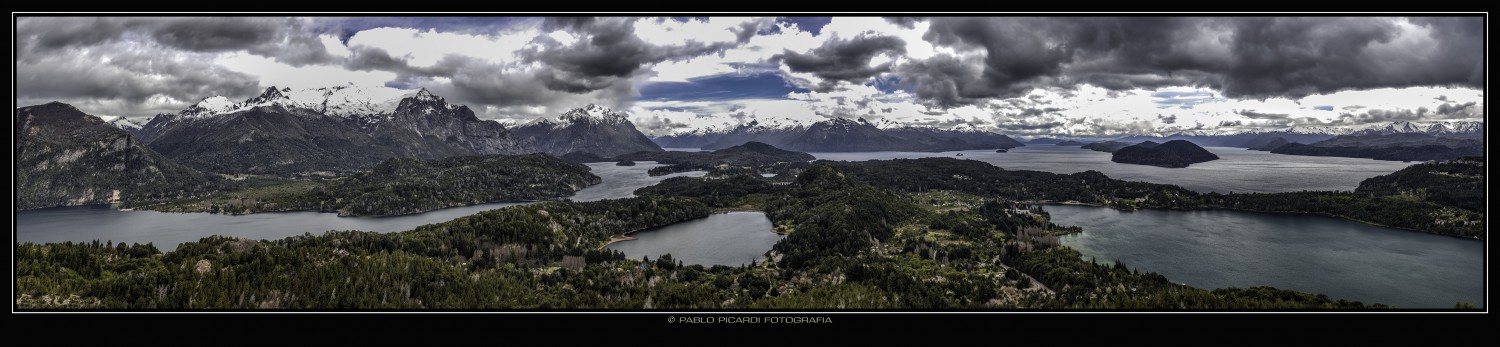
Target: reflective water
<point>1340,258</point>
<point>720,239</point>
<point>167,230</point>
<point>1237,170</point>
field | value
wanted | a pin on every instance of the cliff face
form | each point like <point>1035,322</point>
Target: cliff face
<point>277,133</point>
<point>64,157</point>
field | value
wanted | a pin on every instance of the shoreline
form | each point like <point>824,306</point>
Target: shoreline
<point>1076,203</point>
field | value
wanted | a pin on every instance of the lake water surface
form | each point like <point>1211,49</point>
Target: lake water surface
<point>730,239</point>
<point>167,230</point>
<point>1237,170</point>
<point>1340,258</point>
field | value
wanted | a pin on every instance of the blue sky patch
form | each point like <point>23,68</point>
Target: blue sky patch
<point>721,87</point>
<point>813,25</point>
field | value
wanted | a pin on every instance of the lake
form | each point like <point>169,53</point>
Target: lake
<point>1237,170</point>
<point>167,230</point>
<point>1323,255</point>
<point>729,239</point>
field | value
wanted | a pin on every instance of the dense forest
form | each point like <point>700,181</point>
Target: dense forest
<point>851,244</point>
<point>1458,183</point>
<point>1172,154</point>
<point>1441,212</point>
<point>1402,147</point>
<point>932,233</point>
<point>751,157</point>
<point>402,186</point>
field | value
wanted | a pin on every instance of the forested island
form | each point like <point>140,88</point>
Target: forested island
<point>750,157</point>
<point>853,242</point>
<point>1172,154</point>
<point>1106,146</point>
<point>1440,208</point>
<point>403,186</point>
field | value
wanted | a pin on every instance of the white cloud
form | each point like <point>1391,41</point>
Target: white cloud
<point>426,48</point>
<point>273,73</point>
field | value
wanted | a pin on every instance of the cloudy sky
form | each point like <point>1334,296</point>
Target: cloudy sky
<point>1079,77</point>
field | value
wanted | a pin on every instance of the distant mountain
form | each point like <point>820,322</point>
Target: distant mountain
<point>1311,134</point>
<point>755,131</point>
<point>1444,129</point>
<point>1106,146</point>
<point>843,135</point>
<point>1070,143</point>
<point>1172,154</point>
<point>1272,145</point>
<point>1241,140</point>
<point>128,125</point>
<point>285,131</point>
<point>593,129</point>
<point>63,157</point>
<point>1044,141</point>
<point>1395,146</point>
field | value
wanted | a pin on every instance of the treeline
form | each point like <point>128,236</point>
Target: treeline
<point>851,244</point>
<point>751,157</point>
<point>1448,213</point>
<point>1458,183</point>
<point>403,186</point>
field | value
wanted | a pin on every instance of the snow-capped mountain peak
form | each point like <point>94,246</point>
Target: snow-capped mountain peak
<point>210,106</point>
<point>125,123</point>
<point>592,112</point>
<point>339,101</point>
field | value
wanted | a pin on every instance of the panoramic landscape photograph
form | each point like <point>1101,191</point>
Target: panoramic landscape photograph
<point>810,166</point>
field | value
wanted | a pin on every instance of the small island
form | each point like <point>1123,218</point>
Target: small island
<point>625,163</point>
<point>1271,146</point>
<point>1172,154</point>
<point>1002,150</point>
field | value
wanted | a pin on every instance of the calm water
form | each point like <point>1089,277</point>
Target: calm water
<point>1237,170</point>
<point>167,230</point>
<point>720,239</point>
<point>1343,259</point>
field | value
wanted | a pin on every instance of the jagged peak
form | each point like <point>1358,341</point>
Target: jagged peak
<point>592,111</point>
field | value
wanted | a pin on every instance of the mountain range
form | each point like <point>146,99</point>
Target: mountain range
<point>1311,134</point>
<point>841,135</point>
<point>347,128</point>
<point>1396,146</point>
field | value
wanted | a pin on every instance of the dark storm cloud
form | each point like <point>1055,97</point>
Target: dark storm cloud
<point>1469,110</point>
<point>607,52</point>
<point>1253,57</point>
<point>904,22</point>
<point>129,77</point>
<point>598,68</point>
<point>1170,119</point>
<point>143,66</point>
<point>1259,115</point>
<point>345,27</point>
<point>1038,126</point>
<point>281,38</point>
<point>845,60</point>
